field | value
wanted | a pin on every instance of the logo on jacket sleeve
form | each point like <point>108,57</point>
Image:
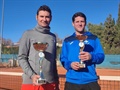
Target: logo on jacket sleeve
<point>71,42</point>
<point>86,42</point>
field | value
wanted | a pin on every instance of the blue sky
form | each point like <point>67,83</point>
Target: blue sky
<point>19,15</point>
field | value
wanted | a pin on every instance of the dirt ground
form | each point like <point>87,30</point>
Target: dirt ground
<point>8,82</point>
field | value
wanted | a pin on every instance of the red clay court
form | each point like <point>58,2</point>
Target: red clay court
<point>10,78</point>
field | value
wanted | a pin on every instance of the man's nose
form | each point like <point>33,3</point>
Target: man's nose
<point>44,19</point>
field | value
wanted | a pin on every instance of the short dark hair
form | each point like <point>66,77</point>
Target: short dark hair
<point>78,14</point>
<point>44,8</point>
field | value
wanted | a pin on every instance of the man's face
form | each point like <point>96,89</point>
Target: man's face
<point>43,18</point>
<point>79,24</point>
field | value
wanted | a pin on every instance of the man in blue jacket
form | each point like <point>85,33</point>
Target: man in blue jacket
<point>77,77</point>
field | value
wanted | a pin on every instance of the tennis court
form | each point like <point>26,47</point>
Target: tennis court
<point>12,80</point>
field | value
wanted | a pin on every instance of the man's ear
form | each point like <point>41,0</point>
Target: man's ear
<point>50,18</point>
<point>85,23</point>
<point>36,17</point>
<point>72,24</point>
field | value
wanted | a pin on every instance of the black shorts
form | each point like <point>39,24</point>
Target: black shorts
<point>89,86</point>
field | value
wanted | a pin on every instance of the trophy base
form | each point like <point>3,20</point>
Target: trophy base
<point>82,65</point>
<point>41,81</point>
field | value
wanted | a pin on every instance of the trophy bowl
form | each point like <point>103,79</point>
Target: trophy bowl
<point>40,46</point>
<point>81,37</point>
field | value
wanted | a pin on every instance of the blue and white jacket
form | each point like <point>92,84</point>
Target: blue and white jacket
<point>70,52</point>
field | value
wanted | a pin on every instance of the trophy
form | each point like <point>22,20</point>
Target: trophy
<point>41,47</point>
<point>81,38</point>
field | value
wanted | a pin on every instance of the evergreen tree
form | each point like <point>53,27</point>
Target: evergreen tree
<point>117,27</point>
<point>97,30</point>
<point>118,20</point>
<point>111,36</point>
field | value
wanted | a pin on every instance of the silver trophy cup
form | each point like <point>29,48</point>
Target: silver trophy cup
<point>81,38</point>
<point>82,46</point>
<point>41,47</point>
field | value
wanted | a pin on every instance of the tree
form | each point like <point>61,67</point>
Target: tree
<point>97,30</point>
<point>111,38</point>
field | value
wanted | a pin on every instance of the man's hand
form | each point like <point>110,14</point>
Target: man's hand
<point>34,79</point>
<point>75,65</point>
<point>84,56</point>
